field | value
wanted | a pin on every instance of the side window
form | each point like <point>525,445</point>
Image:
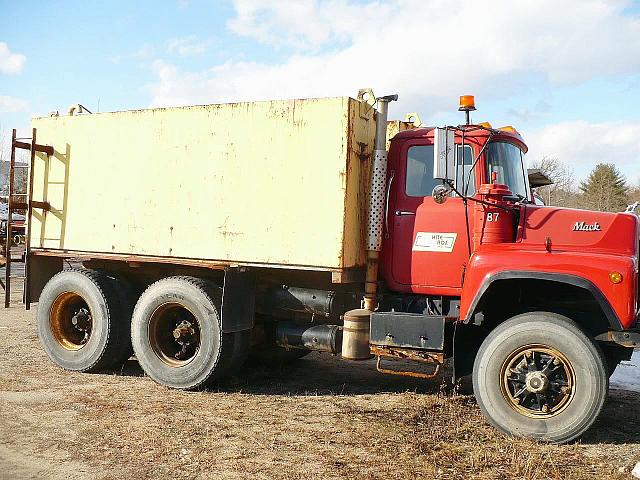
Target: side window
<point>464,162</point>
<point>420,182</point>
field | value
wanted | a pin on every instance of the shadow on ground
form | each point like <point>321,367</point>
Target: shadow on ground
<point>317,374</point>
<point>322,374</point>
<point>617,423</point>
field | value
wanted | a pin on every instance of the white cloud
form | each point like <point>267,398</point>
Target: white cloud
<point>428,52</point>
<point>187,46</point>
<point>12,104</point>
<point>10,63</point>
<point>305,24</point>
<point>583,145</point>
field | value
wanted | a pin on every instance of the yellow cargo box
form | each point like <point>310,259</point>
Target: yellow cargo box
<point>264,183</point>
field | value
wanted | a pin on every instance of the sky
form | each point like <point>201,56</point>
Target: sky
<point>565,73</point>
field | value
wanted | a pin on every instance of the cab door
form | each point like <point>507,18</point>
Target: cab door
<point>428,242</point>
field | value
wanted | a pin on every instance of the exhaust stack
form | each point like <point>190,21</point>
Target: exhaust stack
<point>376,202</point>
<point>355,340</point>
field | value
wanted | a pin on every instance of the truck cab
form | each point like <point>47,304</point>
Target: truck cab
<point>421,233</point>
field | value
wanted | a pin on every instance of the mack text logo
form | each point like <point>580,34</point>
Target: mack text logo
<point>586,227</point>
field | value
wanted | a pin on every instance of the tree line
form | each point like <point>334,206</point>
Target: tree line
<point>605,189</point>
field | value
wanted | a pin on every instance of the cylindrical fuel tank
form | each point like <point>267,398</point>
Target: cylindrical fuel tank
<point>321,338</point>
<point>355,335</point>
<point>492,224</point>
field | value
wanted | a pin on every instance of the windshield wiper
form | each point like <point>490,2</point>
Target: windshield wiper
<point>515,197</point>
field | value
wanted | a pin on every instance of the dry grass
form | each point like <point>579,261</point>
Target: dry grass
<point>321,418</point>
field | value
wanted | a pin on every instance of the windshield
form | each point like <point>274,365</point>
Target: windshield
<point>507,161</point>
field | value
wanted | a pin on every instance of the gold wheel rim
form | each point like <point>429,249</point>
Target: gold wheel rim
<point>71,321</point>
<point>174,334</point>
<point>537,381</point>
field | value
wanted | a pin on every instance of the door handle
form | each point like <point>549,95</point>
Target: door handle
<point>403,213</point>
<point>386,204</point>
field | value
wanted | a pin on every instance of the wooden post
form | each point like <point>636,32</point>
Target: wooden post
<point>7,272</point>
<point>27,263</point>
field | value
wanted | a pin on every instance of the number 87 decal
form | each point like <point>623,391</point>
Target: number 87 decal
<point>492,216</point>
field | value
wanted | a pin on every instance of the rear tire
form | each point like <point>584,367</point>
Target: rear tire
<point>127,297</point>
<point>79,321</point>
<point>177,336</point>
<point>572,390</point>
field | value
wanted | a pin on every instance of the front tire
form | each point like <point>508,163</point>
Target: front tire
<point>538,375</point>
<point>177,337</point>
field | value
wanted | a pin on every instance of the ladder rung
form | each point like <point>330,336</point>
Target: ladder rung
<point>34,204</point>
<point>19,277</point>
<point>38,148</point>
<point>24,145</point>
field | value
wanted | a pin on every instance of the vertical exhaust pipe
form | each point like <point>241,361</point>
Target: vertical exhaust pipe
<point>355,340</point>
<point>375,218</point>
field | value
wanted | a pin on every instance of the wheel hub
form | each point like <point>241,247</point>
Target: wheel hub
<point>71,321</point>
<point>81,320</point>
<point>174,334</point>
<point>183,332</point>
<point>184,335</point>
<point>537,381</point>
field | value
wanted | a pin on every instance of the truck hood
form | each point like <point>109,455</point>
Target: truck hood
<point>583,230</point>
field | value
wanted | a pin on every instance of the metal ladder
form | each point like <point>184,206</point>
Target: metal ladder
<point>14,204</point>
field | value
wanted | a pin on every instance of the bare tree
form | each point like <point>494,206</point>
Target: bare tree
<point>22,159</point>
<point>5,149</point>
<point>634,194</point>
<point>563,190</point>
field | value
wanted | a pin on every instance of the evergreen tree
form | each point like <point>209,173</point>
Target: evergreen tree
<point>605,190</point>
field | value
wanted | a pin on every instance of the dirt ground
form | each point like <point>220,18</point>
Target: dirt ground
<point>320,418</point>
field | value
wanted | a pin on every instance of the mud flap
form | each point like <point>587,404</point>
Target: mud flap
<point>467,339</point>
<point>238,300</point>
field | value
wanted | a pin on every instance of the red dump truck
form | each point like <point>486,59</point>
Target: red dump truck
<point>278,228</point>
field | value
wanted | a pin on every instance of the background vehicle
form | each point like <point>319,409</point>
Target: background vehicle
<point>18,231</point>
<point>248,228</point>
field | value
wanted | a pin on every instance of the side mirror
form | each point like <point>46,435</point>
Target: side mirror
<point>444,159</point>
<point>441,193</point>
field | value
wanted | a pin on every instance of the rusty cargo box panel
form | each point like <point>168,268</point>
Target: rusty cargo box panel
<point>279,182</point>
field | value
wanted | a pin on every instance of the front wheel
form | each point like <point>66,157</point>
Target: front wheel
<point>538,375</point>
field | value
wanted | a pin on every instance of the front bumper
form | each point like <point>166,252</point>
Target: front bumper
<point>625,338</point>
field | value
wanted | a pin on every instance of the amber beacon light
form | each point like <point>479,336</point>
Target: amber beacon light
<point>467,104</point>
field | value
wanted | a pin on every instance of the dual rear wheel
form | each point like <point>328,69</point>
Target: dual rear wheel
<point>83,321</point>
<point>87,322</point>
<point>177,336</point>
